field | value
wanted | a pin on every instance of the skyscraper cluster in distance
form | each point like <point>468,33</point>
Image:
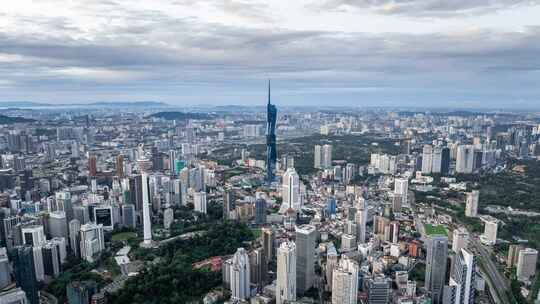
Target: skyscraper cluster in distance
<point>374,206</point>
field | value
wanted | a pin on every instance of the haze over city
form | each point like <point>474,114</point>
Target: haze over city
<point>431,53</point>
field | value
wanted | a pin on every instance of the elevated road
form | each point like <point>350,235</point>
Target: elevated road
<point>496,281</point>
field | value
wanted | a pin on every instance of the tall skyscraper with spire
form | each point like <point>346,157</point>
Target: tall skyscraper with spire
<point>271,150</point>
<point>144,166</point>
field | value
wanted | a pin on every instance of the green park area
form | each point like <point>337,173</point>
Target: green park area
<point>519,190</point>
<point>355,149</point>
<point>169,272</point>
<point>432,230</point>
<point>257,232</point>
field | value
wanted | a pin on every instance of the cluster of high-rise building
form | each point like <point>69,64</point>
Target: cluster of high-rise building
<point>60,196</point>
<point>333,229</point>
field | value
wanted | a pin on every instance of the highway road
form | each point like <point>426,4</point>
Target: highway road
<point>185,236</point>
<point>499,283</point>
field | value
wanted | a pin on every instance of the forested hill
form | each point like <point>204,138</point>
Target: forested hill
<point>7,120</point>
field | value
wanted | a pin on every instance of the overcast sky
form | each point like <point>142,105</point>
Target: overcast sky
<point>463,53</point>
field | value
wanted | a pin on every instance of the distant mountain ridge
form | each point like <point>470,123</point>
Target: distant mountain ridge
<point>180,115</point>
<point>31,104</point>
<point>7,120</point>
<point>130,103</point>
<point>19,104</point>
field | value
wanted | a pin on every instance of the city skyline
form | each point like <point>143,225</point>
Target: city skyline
<point>467,54</point>
<point>133,204</point>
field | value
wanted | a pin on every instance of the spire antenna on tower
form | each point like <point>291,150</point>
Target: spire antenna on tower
<point>268,91</point>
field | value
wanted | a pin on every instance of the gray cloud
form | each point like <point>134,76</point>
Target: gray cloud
<point>151,54</point>
<point>248,9</point>
<point>427,8</point>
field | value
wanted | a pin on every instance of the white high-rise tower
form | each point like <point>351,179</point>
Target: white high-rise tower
<point>317,157</point>
<point>240,276</point>
<point>401,188</point>
<point>427,159</point>
<point>361,218</point>
<point>144,165</point>
<point>489,237</point>
<point>465,159</point>
<point>460,239</point>
<point>463,278</point>
<point>286,273</point>
<point>471,205</point>
<point>326,160</point>
<point>291,189</point>
<point>345,282</point>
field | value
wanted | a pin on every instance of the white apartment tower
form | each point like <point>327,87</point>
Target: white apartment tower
<point>286,273</point>
<point>199,201</point>
<point>240,276</point>
<point>33,235</point>
<point>491,225</point>
<point>427,159</point>
<point>471,205</point>
<point>436,160</point>
<point>460,239</point>
<point>92,241</point>
<point>291,189</point>
<point>463,278</point>
<point>401,188</point>
<point>465,159</point>
<point>345,282</point>
<point>361,218</point>
<point>326,160</point>
<point>144,165</point>
<point>331,264</point>
<point>317,156</point>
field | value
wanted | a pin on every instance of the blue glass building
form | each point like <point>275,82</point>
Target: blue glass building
<point>260,211</point>
<point>271,150</point>
<point>331,206</point>
<point>25,273</point>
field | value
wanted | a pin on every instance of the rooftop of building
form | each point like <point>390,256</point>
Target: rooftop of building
<point>305,228</point>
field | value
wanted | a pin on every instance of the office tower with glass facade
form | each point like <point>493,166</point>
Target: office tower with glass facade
<point>436,260</point>
<point>24,269</point>
<point>271,148</point>
<point>306,238</point>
